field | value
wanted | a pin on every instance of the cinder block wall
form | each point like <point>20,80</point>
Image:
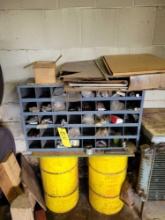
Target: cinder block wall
<point>78,29</point>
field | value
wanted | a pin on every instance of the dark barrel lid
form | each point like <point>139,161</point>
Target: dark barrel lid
<point>7,144</point>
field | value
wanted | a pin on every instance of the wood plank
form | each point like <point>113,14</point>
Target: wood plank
<point>120,151</point>
<point>127,65</point>
<point>21,208</point>
<point>149,81</point>
<point>96,85</point>
<point>30,181</point>
<point>12,168</point>
<point>115,83</point>
<point>79,89</point>
<point>153,124</point>
<point>10,177</point>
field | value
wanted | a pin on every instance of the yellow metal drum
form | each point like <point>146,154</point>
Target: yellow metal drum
<point>57,164</point>
<point>60,184</point>
<point>106,176</point>
<point>60,179</point>
<point>62,204</point>
<point>108,164</point>
<point>106,184</point>
<point>105,205</point>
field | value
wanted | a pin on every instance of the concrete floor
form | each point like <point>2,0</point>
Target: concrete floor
<point>83,211</point>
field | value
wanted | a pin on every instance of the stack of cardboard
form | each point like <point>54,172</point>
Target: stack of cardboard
<point>140,71</point>
<point>88,75</point>
<point>145,71</point>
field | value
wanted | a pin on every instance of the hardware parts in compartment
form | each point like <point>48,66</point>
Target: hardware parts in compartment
<point>95,122</point>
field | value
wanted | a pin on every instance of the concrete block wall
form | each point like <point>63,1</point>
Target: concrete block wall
<point>79,30</point>
<point>159,32</point>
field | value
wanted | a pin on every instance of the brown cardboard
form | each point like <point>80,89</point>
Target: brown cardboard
<point>134,64</point>
<point>30,182</point>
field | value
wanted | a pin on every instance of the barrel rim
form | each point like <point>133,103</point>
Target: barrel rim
<point>58,173</point>
<point>67,195</point>
<point>106,197</point>
<point>109,174</point>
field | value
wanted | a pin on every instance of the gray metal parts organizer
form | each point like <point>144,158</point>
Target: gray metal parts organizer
<point>96,123</point>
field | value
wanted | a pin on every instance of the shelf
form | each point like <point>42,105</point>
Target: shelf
<point>44,108</point>
<point>84,112</point>
<point>42,126</point>
<point>83,99</point>
<point>81,152</point>
<point>84,137</point>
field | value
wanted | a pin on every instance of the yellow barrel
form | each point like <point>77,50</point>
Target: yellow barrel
<point>62,204</point>
<point>105,205</point>
<point>108,164</point>
<point>58,164</point>
<point>106,176</point>
<point>60,182</point>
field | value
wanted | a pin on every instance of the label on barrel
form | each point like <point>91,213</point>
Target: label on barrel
<point>64,137</point>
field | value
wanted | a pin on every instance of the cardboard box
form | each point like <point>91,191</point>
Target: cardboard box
<point>45,72</point>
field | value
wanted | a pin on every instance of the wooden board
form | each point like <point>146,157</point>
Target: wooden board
<point>12,168</point>
<point>79,89</point>
<point>112,83</point>
<point>127,65</point>
<point>153,124</point>
<point>10,177</point>
<point>30,181</point>
<point>21,208</point>
<point>123,151</point>
<point>149,81</point>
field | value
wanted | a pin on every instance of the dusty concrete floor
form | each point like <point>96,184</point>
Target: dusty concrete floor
<point>83,211</point>
<point>154,210</point>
